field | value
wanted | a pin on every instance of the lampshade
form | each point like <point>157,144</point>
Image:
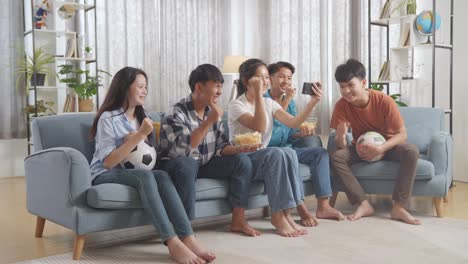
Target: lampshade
<point>232,63</point>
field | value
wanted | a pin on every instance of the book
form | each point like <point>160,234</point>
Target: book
<point>386,9</point>
<point>404,35</point>
<point>384,74</point>
<point>71,48</point>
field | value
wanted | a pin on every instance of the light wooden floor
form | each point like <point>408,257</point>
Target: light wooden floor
<point>17,241</point>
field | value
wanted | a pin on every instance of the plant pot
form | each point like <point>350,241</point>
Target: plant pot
<point>38,79</point>
<point>85,105</point>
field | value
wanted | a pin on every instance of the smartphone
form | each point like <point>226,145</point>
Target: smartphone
<point>307,88</point>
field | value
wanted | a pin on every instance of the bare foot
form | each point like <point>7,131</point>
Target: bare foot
<point>240,225</point>
<point>399,213</point>
<point>279,221</point>
<point>363,210</point>
<point>192,243</point>
<point>181,253</point>
<point>245,228</point>
<point>293,224</point>
<point>307,219</point>
<point>328,212</point>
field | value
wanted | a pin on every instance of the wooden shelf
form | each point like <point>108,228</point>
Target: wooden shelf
<point>392,20</point>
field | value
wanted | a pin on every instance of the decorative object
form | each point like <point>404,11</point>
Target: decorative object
<point>88,53</point>
<point>40,14</point>
<point>423,24</point>
<point>34,68</point>
<point>41,108</point>
<point>66,11</point>
<point>395,97</point>
<point>85,90</point>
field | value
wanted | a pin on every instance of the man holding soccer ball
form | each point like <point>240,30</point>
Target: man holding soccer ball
<point>366,110</point>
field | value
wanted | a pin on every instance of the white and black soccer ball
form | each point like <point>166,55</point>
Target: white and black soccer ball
<point>142,157</point>
<point>372,138</point>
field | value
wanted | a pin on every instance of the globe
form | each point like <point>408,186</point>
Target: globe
<point>424,20</point>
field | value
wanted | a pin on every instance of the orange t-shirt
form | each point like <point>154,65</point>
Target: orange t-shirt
<point>381,115</point>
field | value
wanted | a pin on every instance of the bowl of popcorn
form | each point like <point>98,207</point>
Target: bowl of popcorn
<point>310,123</point>
<point>248,139</point>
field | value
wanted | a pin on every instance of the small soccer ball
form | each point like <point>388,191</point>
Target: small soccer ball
<point>142,157</point>
<point>372,138</point>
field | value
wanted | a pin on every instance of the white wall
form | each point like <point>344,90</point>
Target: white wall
<point>12,154</point>
<point>460,96</point>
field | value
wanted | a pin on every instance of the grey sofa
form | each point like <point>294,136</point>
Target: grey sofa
<point>425,129</point>
<point>59,186</point>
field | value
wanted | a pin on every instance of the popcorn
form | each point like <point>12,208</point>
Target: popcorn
<point>310,125</point>
<point>248,139</point>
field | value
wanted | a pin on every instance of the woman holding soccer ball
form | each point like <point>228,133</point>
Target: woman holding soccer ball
<point>121,123</point>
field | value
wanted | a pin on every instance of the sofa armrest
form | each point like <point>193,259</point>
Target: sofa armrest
<point>331,147</point>
<point>440,153</point>
<point>57,180</point>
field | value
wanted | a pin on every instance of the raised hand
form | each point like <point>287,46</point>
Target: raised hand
<point>216,112</point>
<point>317,88</point>
<point>146,127</point>
<point>290,92</point>
<point>257,83</point>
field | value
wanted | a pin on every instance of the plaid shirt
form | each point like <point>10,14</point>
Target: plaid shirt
<point>177,128</point>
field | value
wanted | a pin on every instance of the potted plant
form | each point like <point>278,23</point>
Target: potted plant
<point>84,86</point>
<point>409,7</point>
<point>88,53</point>
<point>34,68</point>
<point>395,97</point>
<point>41,108</point>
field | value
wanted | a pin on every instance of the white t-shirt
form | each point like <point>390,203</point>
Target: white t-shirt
<point>241,106</point>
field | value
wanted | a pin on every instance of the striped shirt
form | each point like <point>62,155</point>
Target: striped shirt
<point>176,130</point>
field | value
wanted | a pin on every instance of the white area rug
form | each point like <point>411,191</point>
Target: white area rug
<point>370,240</point>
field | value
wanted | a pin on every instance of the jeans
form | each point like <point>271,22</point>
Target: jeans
<point>279,169</point>
<point>185,170</point>
<point>319,164</point>
<point>158,197</point>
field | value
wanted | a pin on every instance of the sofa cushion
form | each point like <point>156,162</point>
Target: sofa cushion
<point>118,196</point>
<point>389,170</point>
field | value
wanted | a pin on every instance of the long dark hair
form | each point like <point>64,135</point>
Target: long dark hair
<point>117,96</point>
<point>246,70</point>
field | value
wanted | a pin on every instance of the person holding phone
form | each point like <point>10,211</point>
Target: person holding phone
<point>251,112</point>
<point>316,158</point>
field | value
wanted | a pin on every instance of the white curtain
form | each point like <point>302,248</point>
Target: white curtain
<point>167,39</point>
<point>12,117</point>
<point>191,34</point>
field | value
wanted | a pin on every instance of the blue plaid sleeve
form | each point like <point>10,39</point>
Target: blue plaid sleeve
<point>175,136</point>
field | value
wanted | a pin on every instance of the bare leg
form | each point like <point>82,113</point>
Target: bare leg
<point>292,223</point>
<point>279,221</point>
<point>325,211</point>
<point>181,253</point>
<point>240,225</point>
<point>364,209</point>
<point>399,213</point>
<point>192,243</point>
<point>307,219</point>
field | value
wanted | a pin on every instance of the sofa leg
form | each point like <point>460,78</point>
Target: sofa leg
<point>40,222</point>
<point>333,199</point>
<point>438,206</point>
<point>78,246</point>
<point>266,211</point>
